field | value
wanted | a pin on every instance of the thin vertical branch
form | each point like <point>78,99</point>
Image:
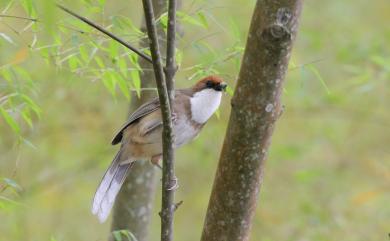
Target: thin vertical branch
<point>171,47</point>
<point>167,136</point>
<point>134,205</point>
<point>168,194</point>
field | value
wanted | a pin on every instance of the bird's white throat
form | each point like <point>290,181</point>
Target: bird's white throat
<point>204,103</point>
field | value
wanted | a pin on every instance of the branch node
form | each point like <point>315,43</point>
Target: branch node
<point>177,205</point>
<point>276,36</point>
<point>283,16</point>
<point>278,31</point>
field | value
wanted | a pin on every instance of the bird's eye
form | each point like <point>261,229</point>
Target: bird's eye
<point>209,84</point>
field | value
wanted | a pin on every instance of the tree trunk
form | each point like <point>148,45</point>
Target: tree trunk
<point>255,109</point>
<point>133,207</point>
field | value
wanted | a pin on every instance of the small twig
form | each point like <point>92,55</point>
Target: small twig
<point>305,64</point>
<point>18,17</point>
<point>36,20</point>
<point>177,205</point>
<point>111,35</point>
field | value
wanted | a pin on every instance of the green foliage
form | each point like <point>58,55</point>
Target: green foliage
<point>67,91</point>
<point>15,104</point>
<point>9,189</point>
<point>120,234</point>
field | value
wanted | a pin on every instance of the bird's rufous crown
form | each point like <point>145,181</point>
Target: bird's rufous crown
<point>202,83</point>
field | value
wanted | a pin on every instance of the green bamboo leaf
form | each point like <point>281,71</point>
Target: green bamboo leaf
<point>45,54</point>
<point>203,46</point>
<point>164,20</point>
<point>7,38</point>
<point>319,77</point>
<point>27,117</point>
<point>84,53</point>
<point>32,105</point>
<point>24,75</point>
<point>99,46</point>
<point>134,61</point>
<point>95,9</point>
<point>13,184</point>
<point>179,57</point>
<point>292,64</point>
<point>116,22</point>
<point>203,19</point>
<point>99,62</point>
<point>28,143</point>
<point>122,83</point>
<point>229,90</point>
<point>117,235</point>
<point>185,18</point>
<point>235,29</point>
<point>74,40</point>
<point>129,235</point>
<point>102,2</point>
<point>73,63</point>
<point>381,61</point>
<point>28,6</point>
<point>136,81</point>
<point>7,75</point>
<point>126,23</point>
<point>109,82</point>
<point>10,121</point>
<point>122,65</point>
<point>113,49</point>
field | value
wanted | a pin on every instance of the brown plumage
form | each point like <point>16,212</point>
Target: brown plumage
<point>141,135</point>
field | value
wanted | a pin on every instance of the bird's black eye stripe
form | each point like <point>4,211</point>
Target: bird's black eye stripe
<point>209,84</point>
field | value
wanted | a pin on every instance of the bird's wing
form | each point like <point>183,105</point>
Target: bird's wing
<point>143,110</point>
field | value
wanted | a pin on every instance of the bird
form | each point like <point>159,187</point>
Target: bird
<point>140,137</point>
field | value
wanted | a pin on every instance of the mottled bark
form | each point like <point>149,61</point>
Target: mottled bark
<point>255,109</point>
<point>133,207</point>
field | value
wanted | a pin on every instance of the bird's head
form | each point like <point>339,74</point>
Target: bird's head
<point>211,82</point>
<point>206,98</point>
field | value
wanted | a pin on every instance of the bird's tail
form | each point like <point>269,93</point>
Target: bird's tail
<point>109,187</point>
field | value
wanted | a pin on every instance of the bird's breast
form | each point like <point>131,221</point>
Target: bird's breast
<point>184,131</point>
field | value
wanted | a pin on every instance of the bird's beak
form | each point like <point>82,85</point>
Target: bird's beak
<point>223,86</point>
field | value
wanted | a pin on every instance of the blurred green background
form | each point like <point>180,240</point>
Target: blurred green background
<point>328,172</point>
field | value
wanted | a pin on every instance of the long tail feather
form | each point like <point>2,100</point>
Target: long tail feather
<point>109,188</point>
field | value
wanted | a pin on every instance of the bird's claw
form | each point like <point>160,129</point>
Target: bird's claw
<point>175,185</point>
<point>174,117</point>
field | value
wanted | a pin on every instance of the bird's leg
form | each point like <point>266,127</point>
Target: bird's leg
<point>156,161</point>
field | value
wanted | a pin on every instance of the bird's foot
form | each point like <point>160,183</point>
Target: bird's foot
<point>175,184</point>
<point>174,117</point>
